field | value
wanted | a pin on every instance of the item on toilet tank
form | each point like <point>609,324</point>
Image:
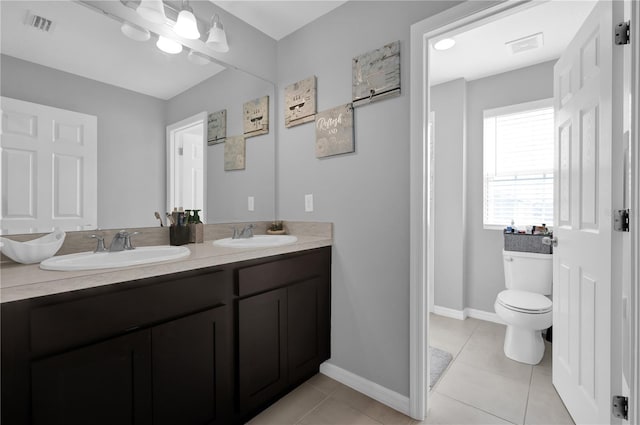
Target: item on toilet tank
<point>523,242</point>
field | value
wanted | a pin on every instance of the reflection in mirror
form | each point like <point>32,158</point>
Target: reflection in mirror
<point>86,65</point>
<point>186,159</point>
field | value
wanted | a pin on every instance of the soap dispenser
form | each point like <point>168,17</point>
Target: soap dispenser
<point>196,228</point>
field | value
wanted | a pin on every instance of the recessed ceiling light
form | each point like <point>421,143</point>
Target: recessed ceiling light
<point>444,44</point>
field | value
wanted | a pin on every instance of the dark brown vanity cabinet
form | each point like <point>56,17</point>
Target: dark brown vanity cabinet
<point>283,325</point>
<point>210,346</point>
<point>162,375</point>
<point>104,383</point>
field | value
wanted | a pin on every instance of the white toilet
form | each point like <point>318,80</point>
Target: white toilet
<point>523,306</point>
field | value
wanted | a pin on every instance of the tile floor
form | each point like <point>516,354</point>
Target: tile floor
<point>480,386</point>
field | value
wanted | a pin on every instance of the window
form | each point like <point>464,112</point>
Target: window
<point>518,165</point>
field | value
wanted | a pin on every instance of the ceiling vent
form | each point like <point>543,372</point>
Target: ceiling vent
<point>39,22</point>
<point>524,44</point>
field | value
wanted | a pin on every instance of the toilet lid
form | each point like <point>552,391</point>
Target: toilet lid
<point>527,302</point>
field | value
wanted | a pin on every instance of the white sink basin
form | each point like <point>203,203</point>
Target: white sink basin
<point>108,260</point>
<point>258,241</point>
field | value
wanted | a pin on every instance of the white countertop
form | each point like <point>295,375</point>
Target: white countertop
<point>20,282</point>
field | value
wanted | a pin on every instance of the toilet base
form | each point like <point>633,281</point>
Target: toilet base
<point>523,345</point>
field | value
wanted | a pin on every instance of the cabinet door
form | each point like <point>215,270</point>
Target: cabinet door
<point>105,383</point>
<point>308,327</point>
<point>191,369</point>
<point>262,347</point>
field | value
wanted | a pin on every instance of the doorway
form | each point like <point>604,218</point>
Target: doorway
<point>186,163</point>
<point>421,208</point>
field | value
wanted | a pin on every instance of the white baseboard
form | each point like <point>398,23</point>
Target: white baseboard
<point>483,315</point>
<point>449,312</point>
<point>377,392</point>
<point>488,316</point>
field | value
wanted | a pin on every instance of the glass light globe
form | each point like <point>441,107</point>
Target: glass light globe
<point>168,46</point>
<point>186,26</point>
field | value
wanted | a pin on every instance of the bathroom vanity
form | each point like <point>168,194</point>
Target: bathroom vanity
<point>214,344</point>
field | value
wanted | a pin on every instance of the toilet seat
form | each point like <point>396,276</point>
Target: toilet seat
<point>524,302</point>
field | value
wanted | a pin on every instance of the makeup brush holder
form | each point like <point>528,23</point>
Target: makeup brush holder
<point>179,235</point>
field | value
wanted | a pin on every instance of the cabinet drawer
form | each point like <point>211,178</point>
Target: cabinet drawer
<point>275,274</point>
<point>68,324</point>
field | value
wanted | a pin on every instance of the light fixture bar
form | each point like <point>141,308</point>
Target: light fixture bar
<point>170,11</point>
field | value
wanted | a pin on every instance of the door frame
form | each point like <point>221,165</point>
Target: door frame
<point>634,219</point>
<point>172,129</point>
<point>420,223</point>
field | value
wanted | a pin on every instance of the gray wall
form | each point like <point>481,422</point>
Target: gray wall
<point>448,101</point>
<point>365,194</point>
<point>227,191</point>
<point>480,260</point>
<point>130,133</point>
<point>483,266</point>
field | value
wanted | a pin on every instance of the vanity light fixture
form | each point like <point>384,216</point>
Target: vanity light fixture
<point>152,10</point>
<point>198,58</point>
<point>168,46</point>
<point>217,37</point>
<point>444,44</point>
<point>135,32</point>
<point>186,25</point>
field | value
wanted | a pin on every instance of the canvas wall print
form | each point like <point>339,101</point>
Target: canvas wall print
<point>376,74</point>
<point>234,153</point>
<point>300,102</point>
<point>334,131</point>
<point>217,127</point>
<point>256,117</point>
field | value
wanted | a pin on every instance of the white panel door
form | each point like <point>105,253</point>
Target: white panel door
<point>192,172</point>
<point>582,258</point>
<point>186,163</point>
<point>49,168</point>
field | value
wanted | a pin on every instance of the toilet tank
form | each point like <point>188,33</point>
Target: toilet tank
<point>526,271</point>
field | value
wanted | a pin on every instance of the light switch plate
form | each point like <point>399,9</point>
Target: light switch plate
<point>250,203</point>
<point>308,203</point>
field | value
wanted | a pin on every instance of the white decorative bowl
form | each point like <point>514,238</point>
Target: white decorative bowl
<point>33,251</point>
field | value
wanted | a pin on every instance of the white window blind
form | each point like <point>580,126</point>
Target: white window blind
<point>518,165</point>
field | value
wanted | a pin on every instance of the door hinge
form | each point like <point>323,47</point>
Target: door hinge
<point>621,221</point>
<point>620,407</point>
<point>622,33</point>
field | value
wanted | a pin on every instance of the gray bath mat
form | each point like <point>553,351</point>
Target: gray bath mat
<point>439,362</point>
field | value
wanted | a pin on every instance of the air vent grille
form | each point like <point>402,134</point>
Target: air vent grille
<point>530,42</point>
<point>39,22</point>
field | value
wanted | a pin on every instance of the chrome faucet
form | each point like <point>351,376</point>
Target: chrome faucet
<point>100,247</point>
<point>245,233</point>
<point>122,241</point>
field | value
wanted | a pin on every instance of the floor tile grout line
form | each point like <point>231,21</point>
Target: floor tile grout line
<point>477,408</point>
<point>301,418</point>
<point>526,406</point>
<point>487,371</point>
<point>484,368</point>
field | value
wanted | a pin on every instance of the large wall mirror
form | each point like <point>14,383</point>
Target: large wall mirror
<point>85,64</point>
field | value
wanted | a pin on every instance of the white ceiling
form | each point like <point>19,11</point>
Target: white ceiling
<point>91,45</point>
<point>88,44</point>
<point>278,19</point>
<point>481,51</point>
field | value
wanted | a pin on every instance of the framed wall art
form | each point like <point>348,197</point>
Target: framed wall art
<point>334,131</point>
<point>234,153</point>
<point>256,117</point>
<point>376,74</point>
<point>300,102</point>
<point>217,127</point>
